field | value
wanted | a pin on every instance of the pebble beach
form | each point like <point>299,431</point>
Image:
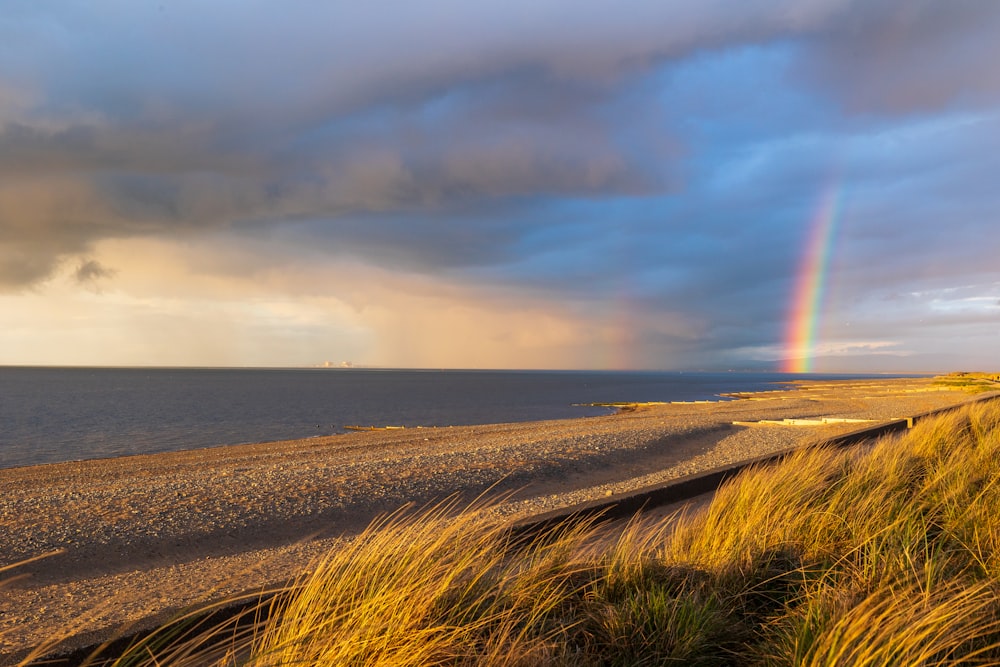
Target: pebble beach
<point>134,539</point>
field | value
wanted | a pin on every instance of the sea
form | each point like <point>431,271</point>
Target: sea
<point>49,415</point>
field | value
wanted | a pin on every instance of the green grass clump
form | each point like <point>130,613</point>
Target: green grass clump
<point>973,383</point>
<point>880,556</point>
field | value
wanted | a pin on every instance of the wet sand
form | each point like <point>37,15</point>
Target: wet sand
<point>145,535</point>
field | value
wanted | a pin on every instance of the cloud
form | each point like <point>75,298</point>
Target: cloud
<point>21,266</point>
<point>90,272</point>
<point>531,160</point>
<point>82,184</point>
<point>437,108</point>
<point>892,57</point>
<point>213,55</point>
<point>169,303</point>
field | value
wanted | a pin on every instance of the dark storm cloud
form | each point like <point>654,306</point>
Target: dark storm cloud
<point>217,115</point>
<point>896,57</point>
<point>24,265</point>
<point>158,179</point>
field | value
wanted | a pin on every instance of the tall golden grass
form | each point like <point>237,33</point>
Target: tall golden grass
<point>887,555</point>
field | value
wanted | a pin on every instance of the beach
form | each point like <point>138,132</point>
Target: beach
<point>141,537</point>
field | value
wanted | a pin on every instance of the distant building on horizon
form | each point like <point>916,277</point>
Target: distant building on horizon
<point>335,364</point>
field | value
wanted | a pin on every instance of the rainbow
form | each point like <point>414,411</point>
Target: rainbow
<point>810,285</point>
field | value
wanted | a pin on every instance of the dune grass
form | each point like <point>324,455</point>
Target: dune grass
<point>972,383</point>
<point>888,555</point>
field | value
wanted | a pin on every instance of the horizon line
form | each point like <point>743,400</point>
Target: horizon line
<point>777,369</point>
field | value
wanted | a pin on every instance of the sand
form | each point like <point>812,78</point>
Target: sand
<point>141,537</point>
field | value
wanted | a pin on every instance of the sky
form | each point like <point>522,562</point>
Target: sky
<point>802,185</point>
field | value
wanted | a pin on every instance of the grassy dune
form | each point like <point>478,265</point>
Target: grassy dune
<point>888,556</point>
<point>973,383</point>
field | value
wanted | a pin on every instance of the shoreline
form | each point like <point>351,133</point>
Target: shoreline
<point>193,417</point>
<point>154,532</point>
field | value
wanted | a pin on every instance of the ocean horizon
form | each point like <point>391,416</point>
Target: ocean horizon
<point>56,414</point>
